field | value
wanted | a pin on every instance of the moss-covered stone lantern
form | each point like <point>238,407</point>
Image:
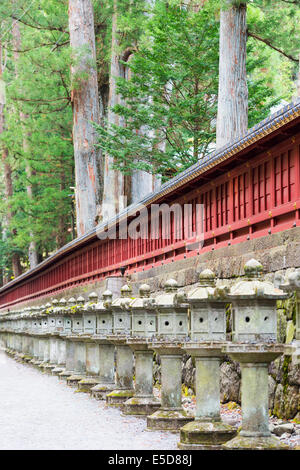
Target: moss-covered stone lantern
<point>37,330</point>
<point>45,334</point>
<point>104,322</point>
<point>59,312</point>
<point>124,356</point>
<point>208,336</point>
<point>50,311</point>
<point>172,320</point>
<point>92,347</point>
<point>254,347</point>
<point>143,330</point>
<point>79,350</point>
<point>67,335</point>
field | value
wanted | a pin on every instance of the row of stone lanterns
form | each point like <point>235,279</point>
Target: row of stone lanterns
<point>97,345</point>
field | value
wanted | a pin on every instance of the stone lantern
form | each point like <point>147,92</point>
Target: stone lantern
<point>39,316</point>
<point>66,335</point>
<point>143,330</point>
<point>10,335</point>
<point>254,319</point>
<point>293,285</point>
<point>45,333</point>
<point>22,337</point>
<point>17,337</point>
<point>60,341</point>
<point>30,339</point>
<point>92,347</point>
<point>50,311</point>
<point>124,356</point>
<point>104,328</point>
<point>208,336</point>
<point>79,344</point>
<point>37,330</point>
<point>172,320</point>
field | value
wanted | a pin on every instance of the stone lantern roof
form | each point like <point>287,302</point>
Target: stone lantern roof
<point>171,297</point>
<point>104,304</point>
<point>143,301</point>
<point>253,286</point>
<point>206,289</point>
<point>125,299</point>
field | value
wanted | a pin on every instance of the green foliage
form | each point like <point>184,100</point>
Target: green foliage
<point>38,133</point>
<point>171,95</point>
<point>168,105</point>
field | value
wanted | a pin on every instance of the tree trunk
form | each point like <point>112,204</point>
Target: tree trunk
<point>298,81</point>
<point>32,250</point>
<point>62,233</point>
<point>232,120</point>
<point>86,109</point>
<point>113,194</point>
<point>121,190</point>
<point>8,186</point>
<point>143,183</point>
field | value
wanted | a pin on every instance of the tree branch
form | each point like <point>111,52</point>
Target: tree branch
<point>34,26</point>
<point>292,2</point>
<point>36,47</point>
<point>267,42</point>
<point>41,101</point>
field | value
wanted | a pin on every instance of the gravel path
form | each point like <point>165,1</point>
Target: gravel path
<point>39,412</point>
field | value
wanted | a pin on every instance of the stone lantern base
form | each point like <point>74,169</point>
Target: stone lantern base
<point>255,443</point>
<point>65,374</point>
<point>118,397</point>
<point>171,416</point>
<point>124,371</point>
<point>254,360</point>
<point>85,385</point>
<point>20,357</point>
<point>198,435</point>
<point>141,406</point>
<point>42,365</point>
<point>143,402</point>
<point>57,370</point>
<point>35,362</point>
<point>73,380</point>
<point>27,358</point>
<point>168,420</point>
<point>207,431</point>
<point>101,390</point>
<point>48,368</point>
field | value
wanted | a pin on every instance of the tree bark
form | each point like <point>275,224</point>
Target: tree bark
<point>232,119</point>
<point>113,194</point>
<point>32,249</point>
<point>86,109</point>
<point>121,190</point>
<point>143,183</point>
<point>8,185</point>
